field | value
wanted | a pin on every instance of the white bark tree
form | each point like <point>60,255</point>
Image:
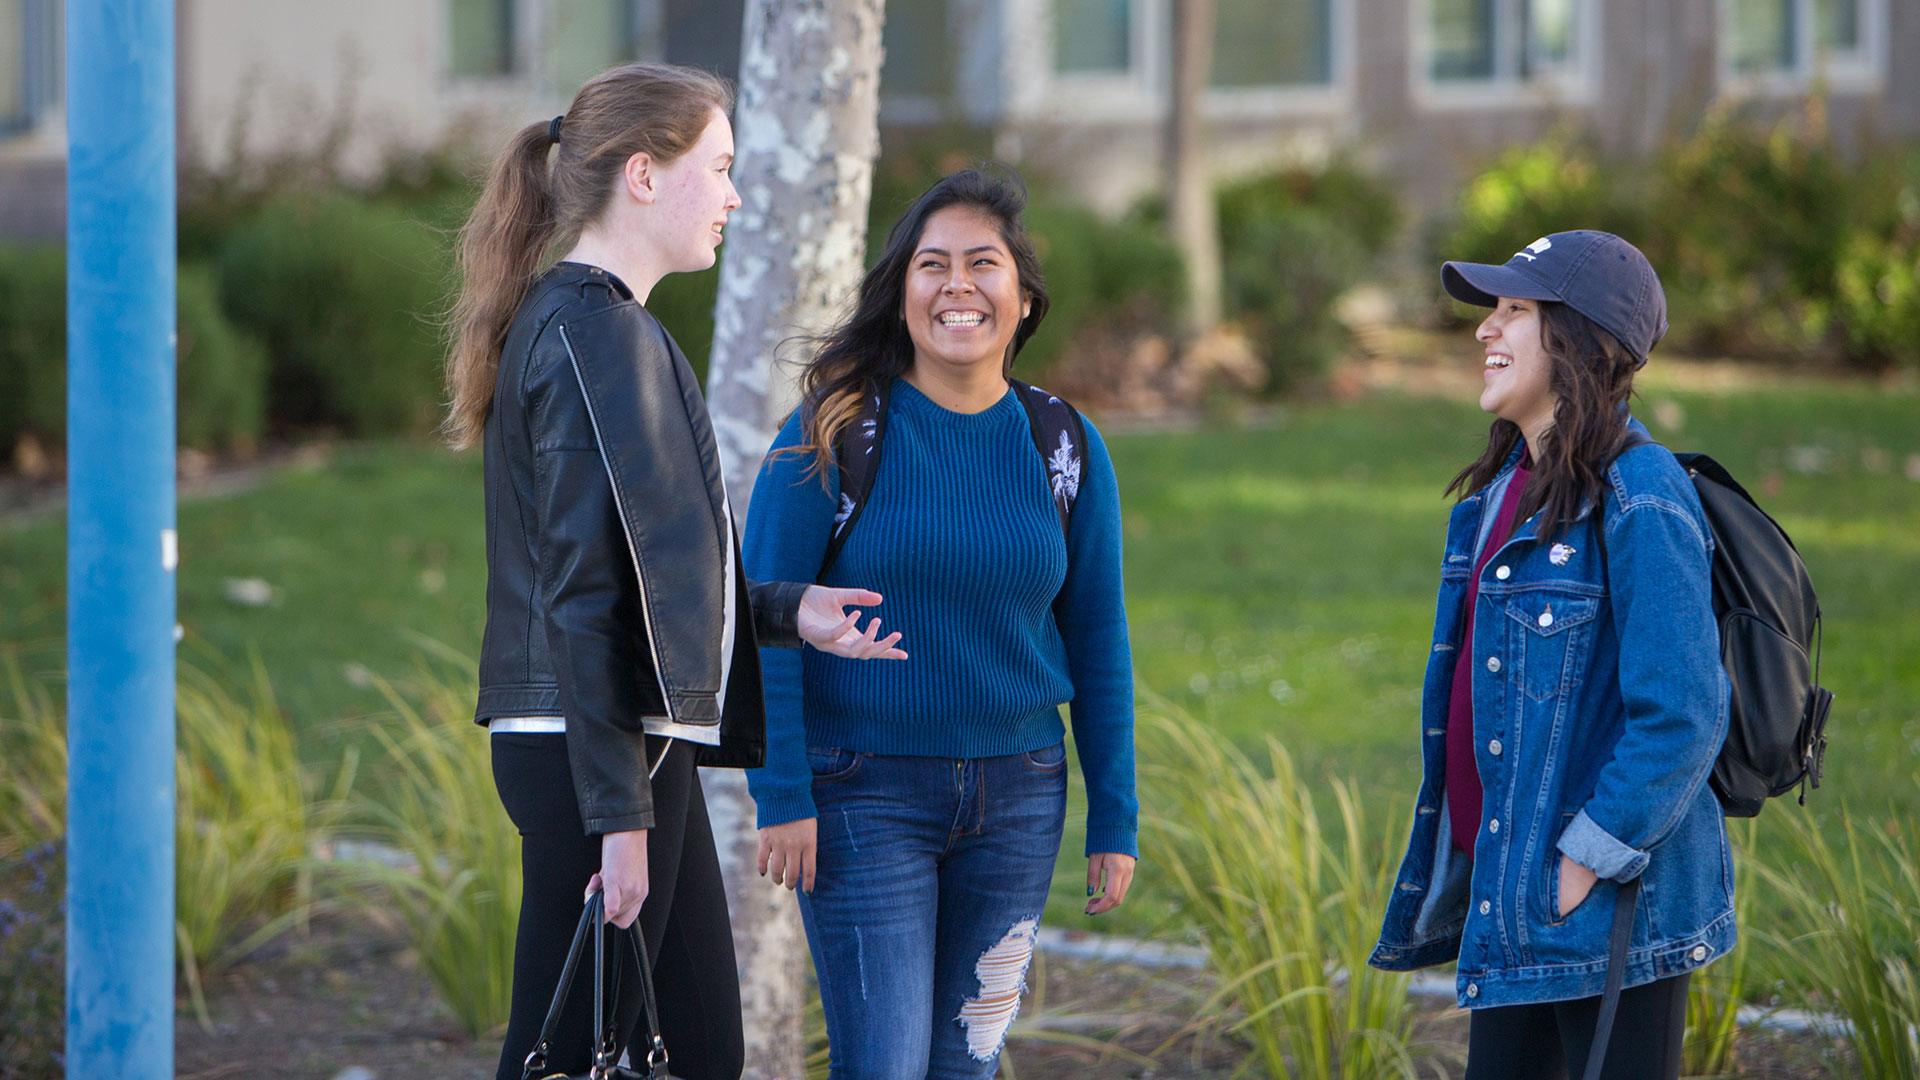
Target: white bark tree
<point>806,132</point>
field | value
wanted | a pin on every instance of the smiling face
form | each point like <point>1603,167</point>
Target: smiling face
<point>962,301</point>
<point>1518,379</point>
<point>692,195</point>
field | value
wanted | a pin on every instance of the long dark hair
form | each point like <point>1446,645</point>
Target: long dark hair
<point>871,345</point>
<point>1591,376</point>
<point>528,208</point>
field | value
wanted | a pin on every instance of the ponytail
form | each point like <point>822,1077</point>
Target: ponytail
<point>528,208</point>
<point>500,250</point>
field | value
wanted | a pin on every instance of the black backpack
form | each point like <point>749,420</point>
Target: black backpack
<point>1769,623</point>
<point>1058,433</point>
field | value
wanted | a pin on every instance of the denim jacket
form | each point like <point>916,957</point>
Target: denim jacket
<point>1599,704</point>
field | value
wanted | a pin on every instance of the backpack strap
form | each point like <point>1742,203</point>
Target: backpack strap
<point>1623,904</point>
<point>857,455</point>
<point>1060,434</point>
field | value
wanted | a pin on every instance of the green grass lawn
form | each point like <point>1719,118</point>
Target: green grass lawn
<point>1280,580</point>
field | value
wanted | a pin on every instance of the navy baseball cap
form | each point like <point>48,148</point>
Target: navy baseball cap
<point>1596,274</point>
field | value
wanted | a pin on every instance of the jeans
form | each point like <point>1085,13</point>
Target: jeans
<point>684,919</point>
<point>931,877</point>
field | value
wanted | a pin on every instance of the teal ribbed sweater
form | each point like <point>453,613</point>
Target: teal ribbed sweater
<point>1003,625</point>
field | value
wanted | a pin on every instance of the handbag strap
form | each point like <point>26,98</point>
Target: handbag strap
<point>604,1056</point>
<point>1623,905</point>
<point>537,1060</point>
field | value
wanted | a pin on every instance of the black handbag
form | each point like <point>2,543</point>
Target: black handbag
<point>604,1052</point>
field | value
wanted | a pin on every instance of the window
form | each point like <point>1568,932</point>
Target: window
<point>1503,40</point>
<point>920,51</point>
<point>1792,38</point>
<point>1262,43</point>
<point>481,38</point>
<point>586,37</point>
<point>29,61</point>
<point>1093,36</point>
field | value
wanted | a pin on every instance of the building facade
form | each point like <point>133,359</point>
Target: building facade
<point>1424,91</point>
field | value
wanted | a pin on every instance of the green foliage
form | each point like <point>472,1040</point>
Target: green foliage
<point>684,305</point>
<point>460,901</point>
<point>1288,908</point>
<point>1291,242</point>
<point>1768,243</point>
<point>32,963</point>
<point>1122,272</point>
<point>1716,991</point>
<point>222,370</point>
<point>1854,937</point>
<point>248,822</point>
<point>33,345</point>
<point>344,293</point>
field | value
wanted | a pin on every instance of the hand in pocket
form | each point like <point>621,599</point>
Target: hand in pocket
<point>1576,882</point>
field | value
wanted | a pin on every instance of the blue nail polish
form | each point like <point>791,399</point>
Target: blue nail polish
<point>1089,890</point>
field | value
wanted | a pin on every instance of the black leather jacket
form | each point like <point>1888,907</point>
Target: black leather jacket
<point>608,544</point>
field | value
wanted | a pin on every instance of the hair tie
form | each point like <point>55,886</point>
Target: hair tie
<point>553,129</point>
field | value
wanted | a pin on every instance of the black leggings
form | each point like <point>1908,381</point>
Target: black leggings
<point>684,920</point>
<point>1551,1041</point>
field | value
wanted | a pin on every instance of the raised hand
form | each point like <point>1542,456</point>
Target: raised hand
<point>827,625</point>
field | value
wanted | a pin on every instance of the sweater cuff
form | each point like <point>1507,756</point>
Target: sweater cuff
<point>1114,839</point>
<point>1593,847</point>
<point>782,808</point>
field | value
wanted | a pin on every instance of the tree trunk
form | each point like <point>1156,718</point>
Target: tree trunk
<point>806,133</point>
<point>1190,207</point>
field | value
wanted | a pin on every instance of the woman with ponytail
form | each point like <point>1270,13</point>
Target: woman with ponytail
<point>1567,850</point>
<point>620,646</point>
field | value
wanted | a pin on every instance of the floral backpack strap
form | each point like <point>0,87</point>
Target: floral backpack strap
<point>857,454</point>
<point>1060,434</point>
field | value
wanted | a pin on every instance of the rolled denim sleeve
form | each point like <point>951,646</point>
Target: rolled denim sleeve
<point>1674,692</point>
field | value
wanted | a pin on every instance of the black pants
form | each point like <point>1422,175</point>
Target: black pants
<point>684,920</point>
<point>1551,1041</point>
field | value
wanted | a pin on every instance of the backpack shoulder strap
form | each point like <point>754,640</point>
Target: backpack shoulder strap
<point>856,453</point>
<point>1060,434</point>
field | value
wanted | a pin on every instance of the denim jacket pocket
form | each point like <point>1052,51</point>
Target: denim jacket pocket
<point>1553,646</point>
<point>830,764</point>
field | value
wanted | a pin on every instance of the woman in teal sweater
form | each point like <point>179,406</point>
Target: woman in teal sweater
<point>920,807</point>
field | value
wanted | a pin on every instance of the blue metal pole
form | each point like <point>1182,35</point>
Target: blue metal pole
<point>120,538</point>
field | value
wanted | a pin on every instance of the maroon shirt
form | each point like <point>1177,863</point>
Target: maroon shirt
<point>1463,773</point>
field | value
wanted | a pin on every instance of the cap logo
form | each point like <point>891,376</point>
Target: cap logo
<point>1534,249</point>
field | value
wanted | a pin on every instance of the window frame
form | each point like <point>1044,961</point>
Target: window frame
<point>1144,93</point>
<point>42,76</point>
<point>528,68</point>
<point>1860,70</point>
<point>1577,83</point>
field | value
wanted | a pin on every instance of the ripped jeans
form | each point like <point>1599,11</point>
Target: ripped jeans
<point>931,878</point>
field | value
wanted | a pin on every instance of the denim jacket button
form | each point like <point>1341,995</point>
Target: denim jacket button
<point>1503,573</point>
<point>1494,826</point>
<point>1473,990</point>
<point>1494,748</point>
<point>1493,663</point>
<point>1699,953</point>
<point>1546,619</point>
<point>1486,907</point>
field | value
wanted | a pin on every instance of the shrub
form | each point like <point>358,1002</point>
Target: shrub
<point>222,370</point>
<point>1097,271</point>
<point>1288,908</point>
<point>1768,243</point>
<point>1291,242</point>
<point>343,293</point>
<point>33,345</point>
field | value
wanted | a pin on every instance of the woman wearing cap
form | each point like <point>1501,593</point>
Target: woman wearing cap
<point>619,648</point>
<point>1574,699</point>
